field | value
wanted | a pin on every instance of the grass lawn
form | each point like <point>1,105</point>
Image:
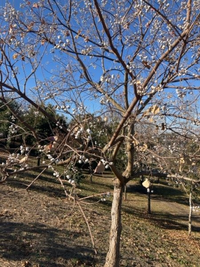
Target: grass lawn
<point>41,228</point>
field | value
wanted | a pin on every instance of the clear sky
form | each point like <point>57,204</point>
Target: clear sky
<point>96,72</point>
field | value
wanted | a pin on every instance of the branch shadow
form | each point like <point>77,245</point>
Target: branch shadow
<point>166,220</point>
<point>174,222</point>
<point>42,245</point>
<point>49,186</point>
<point>160,192</point>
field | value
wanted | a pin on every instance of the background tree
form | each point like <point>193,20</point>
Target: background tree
<point>136,61</point>
<point>9,113</point>
<point>6,116</point>
<point>44,127</point>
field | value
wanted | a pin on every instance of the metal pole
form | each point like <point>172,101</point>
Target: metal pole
<point>149,200</point>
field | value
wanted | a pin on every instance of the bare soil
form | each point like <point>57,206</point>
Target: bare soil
<point>41,228</point>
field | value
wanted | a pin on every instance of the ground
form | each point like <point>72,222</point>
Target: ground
<point>41,228</point>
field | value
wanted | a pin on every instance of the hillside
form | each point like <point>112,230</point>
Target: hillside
<point>40,228</point>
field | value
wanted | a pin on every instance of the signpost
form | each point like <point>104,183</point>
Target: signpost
<point>147,185</point>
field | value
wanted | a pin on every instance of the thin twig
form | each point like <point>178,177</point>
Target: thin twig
<point>36,178</point>
<point>88,226</point>
<point>95,195</point>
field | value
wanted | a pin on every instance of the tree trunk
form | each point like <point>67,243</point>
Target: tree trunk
<point>113,255</point>
<point>190,214</point>
<point>130,149</point>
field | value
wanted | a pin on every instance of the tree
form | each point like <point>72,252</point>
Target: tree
<point>9,112</point>
<point>44,127</point>
<point>137,61</point>
<point>6,115</point>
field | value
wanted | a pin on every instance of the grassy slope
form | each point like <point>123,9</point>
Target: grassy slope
<point>41,228</point>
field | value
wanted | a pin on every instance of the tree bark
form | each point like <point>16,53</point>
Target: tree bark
<point>113,255</point>
<point>190,214</point>
<point>130,149</point>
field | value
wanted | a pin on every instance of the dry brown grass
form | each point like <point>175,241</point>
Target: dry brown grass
<point>41,228</point>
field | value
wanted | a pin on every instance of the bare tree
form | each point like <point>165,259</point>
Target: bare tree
<point>137,61</point>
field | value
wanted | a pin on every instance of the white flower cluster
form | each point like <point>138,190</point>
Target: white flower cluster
<point>180,93</point>
<point>12,158</point>
<point>58,124</point>
<point>87,3</point>
<point>140,89</point>
<point>172,148</point>
<point>62,107</point>
<point>23,149</point>
<point>56,174</point>
<point>52,159</point>
<point>158,88</point>
<point>89,133</point>
<point>81,130</point>
<point>13,128</point>
<point>107,78</point>
<point>103,100</point>
<point>10,13</point>
<point>87,50</point>
<point>82,109</point>
<point>61,43</point>
<point>70,180</point>
<point>78,133</point>
<point>82,159</point>
<point>50,95</point>
<point>106,163</point>
<point>104,2</point>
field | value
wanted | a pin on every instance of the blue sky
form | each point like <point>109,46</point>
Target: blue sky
<point>96,72</point>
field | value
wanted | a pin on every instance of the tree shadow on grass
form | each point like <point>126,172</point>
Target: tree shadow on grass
<point>161,192</point>
<point>169,221</point>
<point>47,176</point>
<point>42,245</point>
<point>48,190</point>
<point>166,220</point>
<point>175,222</point>
<point>49,186</point>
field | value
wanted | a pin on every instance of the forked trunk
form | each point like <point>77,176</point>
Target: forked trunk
<point>113,255</point>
